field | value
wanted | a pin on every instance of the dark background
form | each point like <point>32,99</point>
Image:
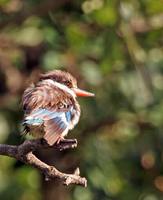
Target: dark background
<point>115,49</point>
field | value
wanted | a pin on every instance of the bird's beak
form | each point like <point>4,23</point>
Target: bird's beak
<point>82,93</point>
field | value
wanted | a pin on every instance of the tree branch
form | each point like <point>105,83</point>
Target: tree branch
<point>24,153</point>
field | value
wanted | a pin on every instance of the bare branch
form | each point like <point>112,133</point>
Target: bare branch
<point>24,153</point>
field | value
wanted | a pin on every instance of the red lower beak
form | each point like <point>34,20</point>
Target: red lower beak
<point>82,93</point>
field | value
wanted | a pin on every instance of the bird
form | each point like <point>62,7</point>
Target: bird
<point>50,106</point>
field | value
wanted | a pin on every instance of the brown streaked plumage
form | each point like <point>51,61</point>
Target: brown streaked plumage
<point>61,77</point>
<point>50,106</point>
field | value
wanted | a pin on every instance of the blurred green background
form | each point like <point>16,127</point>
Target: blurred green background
<point>115,49</point>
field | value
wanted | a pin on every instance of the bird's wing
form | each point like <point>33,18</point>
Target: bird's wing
<point>57,127</point>
<point>56,124</point>
<point>46,105</point>
<point>45,95</point>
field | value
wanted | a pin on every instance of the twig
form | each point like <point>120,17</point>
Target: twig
<point>24,153</point>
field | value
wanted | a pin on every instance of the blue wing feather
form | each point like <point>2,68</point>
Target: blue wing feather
<point>68,116</point>
<point>44,114</point>
<point>34,121</point>
<point>55,123</point>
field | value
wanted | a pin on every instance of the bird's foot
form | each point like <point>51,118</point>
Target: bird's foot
<point>66,144</point>
<point>61,138</point>
<point>61,143</point>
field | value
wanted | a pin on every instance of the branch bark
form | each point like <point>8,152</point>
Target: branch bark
<point>24,153</point>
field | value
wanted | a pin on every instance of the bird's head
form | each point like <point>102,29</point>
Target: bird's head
<point>65,79</point>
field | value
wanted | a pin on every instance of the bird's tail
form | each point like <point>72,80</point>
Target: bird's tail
<point>25,128</point>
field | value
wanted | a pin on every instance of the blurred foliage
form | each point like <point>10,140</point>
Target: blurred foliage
<point>115,49</point>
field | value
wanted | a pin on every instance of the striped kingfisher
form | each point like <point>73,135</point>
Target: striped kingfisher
<point>50,106</point>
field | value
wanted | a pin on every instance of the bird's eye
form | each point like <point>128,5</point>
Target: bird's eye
<point>67,83</point>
